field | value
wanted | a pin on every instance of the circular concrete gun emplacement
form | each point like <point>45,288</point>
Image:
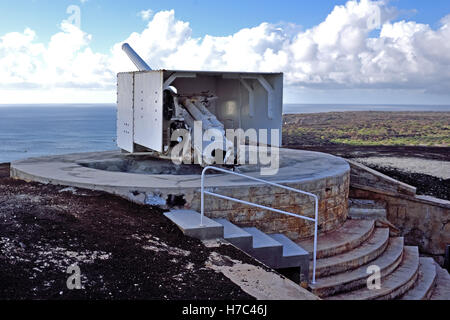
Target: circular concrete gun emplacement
<point>154,181</point>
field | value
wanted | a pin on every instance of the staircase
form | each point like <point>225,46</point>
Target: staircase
<point>276,250</point>
<point>344,256</point>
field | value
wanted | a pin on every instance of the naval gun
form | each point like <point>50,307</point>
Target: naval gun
<point>153,104</point>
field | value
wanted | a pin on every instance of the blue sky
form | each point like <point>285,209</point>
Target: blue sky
<point>109,22</point>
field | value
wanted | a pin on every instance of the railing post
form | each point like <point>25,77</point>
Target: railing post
<point>202,197</point>
<point>316,224</point>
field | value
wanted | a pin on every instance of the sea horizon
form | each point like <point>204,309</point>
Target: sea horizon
<point>288,108</point>
<point>34,130</point>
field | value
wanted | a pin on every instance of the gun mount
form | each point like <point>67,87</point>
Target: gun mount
<point>153,104</point>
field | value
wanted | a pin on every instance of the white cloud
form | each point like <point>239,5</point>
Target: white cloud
<point>146,14</point>
<point>66,61</point>
<point>341,52</point>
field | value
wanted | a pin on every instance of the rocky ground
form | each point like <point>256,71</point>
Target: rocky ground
<point>436,185</point>
<point>431,177</point>
<point>426,184</point>
<point>124,250</point>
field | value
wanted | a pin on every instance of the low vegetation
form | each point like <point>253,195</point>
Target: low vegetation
<point>368,129</point>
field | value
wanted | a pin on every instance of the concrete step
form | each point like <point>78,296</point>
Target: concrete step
<point>367,214</point>
<point>394,285</point>
<point>347,281</point>
<point>442,288</point>
<point>293,255</point>
<point>189,223</point>
<point>351,235</point>
<point>425,281</point>
<point>366,209</point>
<point>264,248</point>
<point>235,235</point>
<point>368,251</point>
<point>366,204</point>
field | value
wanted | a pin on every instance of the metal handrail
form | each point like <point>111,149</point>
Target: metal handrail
<point>316,209</point>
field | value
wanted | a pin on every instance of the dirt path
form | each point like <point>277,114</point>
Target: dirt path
<point>124,250</point>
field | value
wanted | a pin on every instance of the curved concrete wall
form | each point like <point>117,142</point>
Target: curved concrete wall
<point>323,175</point>
<point>423,220</point>
<point>333,206</point>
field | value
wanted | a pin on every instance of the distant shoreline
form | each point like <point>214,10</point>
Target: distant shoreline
<point>332,108</point>
<point>288,108</point>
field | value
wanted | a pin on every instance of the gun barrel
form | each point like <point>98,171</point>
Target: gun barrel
<point>137,60</point>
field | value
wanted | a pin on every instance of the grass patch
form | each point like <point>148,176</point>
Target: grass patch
<point>369,128</point>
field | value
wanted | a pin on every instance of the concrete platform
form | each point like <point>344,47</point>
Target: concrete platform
<point>322,174</point>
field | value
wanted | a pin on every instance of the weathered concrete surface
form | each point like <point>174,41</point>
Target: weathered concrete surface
<point>324,175</point>
<point>367,214</point>
<point>257,282</point>
<point>371,180</point>
<point>366,204</point>
<point>423,220</point>
<point>236,236</point>
<point>425,282</point>
<point>394,285</point>
<point>351,235</point>
<point>368,251</point>
<point>191,225</point>
<point>357,278</point>
<point>442,289</point>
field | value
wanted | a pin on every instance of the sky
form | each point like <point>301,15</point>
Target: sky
<point>371,52</point>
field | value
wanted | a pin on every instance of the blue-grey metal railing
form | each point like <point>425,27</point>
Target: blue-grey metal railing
<point>316,206</point>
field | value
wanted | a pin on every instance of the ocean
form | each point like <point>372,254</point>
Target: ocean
<point>32,131</point>
<point>37,130</point>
